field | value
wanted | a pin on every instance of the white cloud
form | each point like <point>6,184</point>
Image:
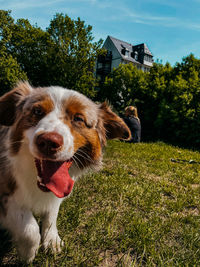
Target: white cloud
<point>117,10</point>
<point>19,5</point>
<point>131,15</point>
<point>15,4</point>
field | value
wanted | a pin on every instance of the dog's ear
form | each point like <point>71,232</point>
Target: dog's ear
<point>10,101</point>
<point>110,125</point>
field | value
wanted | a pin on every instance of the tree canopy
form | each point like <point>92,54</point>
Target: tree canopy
<point>167,99</point>
<point>64,54</point>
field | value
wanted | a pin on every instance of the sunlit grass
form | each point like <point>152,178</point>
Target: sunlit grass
<point>141,209</point>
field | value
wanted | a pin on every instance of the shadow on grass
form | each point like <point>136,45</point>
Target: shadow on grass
<point>5,248</point>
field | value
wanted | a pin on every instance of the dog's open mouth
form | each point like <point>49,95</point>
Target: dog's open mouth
<point>54,176</point>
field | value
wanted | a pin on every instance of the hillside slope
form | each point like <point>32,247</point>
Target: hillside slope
<point>141,209</point>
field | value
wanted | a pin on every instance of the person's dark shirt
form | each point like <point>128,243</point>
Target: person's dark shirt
<point>135,128</point>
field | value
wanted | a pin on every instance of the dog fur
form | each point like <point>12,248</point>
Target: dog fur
<point>77,130</point>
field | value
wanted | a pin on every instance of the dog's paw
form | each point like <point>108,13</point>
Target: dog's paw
<point>28,252</point>
<point>53,242</point>
<point>30,256</point>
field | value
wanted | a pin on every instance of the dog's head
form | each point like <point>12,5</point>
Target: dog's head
<point>61,128</point>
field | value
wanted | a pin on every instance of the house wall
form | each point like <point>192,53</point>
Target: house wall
<point>116,57</point>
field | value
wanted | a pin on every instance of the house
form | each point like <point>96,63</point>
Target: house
<point>122,52</point>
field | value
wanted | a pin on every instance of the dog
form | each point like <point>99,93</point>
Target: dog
<point>49,137</point>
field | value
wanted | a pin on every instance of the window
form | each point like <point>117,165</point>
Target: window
<point>100,65</point>
<point>136,55</point>
<point>147,58</point>
<point>107,67</point>
<point>125,51</point>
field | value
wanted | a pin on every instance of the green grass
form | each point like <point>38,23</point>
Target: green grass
<point>141,209</point>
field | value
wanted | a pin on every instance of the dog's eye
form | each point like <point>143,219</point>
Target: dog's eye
<point>78,118</point>
<point>38,111</point>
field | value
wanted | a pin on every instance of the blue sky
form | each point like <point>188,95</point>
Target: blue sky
<point>170,28</point>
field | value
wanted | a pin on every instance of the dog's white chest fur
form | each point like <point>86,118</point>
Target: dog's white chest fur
<point>43,128</point>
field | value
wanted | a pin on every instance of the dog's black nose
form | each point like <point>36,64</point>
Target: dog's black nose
<point>49,143</point>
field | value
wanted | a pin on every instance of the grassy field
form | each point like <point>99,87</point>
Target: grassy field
<point>141,209</point>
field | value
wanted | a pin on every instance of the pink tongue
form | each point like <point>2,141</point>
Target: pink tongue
<point>56,177</point>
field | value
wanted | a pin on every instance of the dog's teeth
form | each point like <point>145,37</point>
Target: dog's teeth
<point>41,165</point>
<point>39,179</point>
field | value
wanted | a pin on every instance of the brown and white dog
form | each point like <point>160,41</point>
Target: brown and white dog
<point>49,137</point>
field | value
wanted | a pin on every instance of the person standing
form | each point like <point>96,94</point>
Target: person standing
<point>133,122</point>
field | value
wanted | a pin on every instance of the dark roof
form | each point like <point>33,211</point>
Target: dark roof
<point>119,44</point>
<point>146,49</point>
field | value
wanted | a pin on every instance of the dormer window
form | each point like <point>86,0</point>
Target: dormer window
<point>125,51</point>
<point>136,55</point>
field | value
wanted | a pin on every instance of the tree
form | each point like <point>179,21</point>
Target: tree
<point>10,70</point>
<point>188,63</point>
<point>6,23</point>
<point>167,99</point>
<point>29,45</point>
<point>62,55</point>
<point>10,73</point>
<point>73,54</point>
<point>124,86</point>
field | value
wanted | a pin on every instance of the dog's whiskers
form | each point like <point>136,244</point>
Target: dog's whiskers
<point>84,155</point>
<point>75,158</point>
